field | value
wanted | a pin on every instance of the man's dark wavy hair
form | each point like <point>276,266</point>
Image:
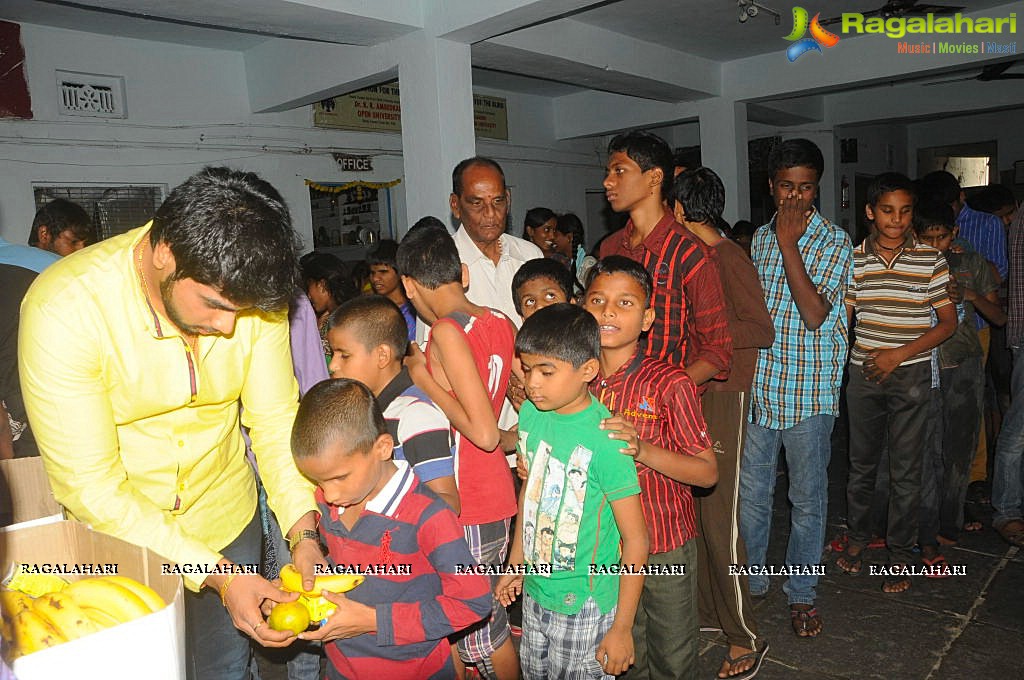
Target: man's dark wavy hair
<point>231,230</point>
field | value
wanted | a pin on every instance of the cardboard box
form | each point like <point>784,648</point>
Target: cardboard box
<point>25,492</point>
<point>151,647</point>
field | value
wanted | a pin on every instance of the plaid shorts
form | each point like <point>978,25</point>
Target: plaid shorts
<point>489,545</point>
<point>563,646</point>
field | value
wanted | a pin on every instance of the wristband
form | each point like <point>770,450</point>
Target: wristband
<point>223,590</point>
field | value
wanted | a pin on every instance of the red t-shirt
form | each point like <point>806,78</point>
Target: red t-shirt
<point>660,400</point>
<point>485,483</point>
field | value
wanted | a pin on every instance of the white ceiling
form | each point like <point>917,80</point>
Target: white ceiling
<point>711,29</point>
<point>658,31</point>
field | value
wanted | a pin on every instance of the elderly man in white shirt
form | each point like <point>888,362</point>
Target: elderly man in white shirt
<point>480,201</point>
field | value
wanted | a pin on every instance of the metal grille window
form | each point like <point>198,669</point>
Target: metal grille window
<point>114,210</point>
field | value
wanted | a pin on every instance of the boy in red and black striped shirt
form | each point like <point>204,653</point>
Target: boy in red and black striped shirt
<point>657,413</point>
<point>378,517</point>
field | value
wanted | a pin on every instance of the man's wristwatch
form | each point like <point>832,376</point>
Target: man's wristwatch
<point>305,534</point>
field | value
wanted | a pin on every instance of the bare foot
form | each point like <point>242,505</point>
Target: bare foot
<point>898,582</point>
<point>850,560</point>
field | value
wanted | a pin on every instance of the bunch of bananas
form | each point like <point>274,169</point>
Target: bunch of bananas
<point>319,607</point>
<point>32,619</point>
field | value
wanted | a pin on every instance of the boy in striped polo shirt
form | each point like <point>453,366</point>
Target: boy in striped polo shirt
<point>377,515</point>
<point>897,282</point>
<point>656,411</point>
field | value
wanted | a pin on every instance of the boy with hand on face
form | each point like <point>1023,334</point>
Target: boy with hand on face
<point>897,283</point>
<point>375,511</point>
<point>805,264</point>
<point>578,502</point>
<point>657,413</point>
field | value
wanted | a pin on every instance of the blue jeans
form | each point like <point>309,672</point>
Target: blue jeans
<point>303,657</point>
<point>214,647</point>
<point>808,450</point>
<point>1007,477</point>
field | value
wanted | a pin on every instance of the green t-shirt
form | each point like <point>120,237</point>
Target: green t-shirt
<point>576,472</point>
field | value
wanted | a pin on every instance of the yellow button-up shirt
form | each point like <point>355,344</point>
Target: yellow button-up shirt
<point>139,436</point>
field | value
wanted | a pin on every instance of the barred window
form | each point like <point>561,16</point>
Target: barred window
<point>114,209</point>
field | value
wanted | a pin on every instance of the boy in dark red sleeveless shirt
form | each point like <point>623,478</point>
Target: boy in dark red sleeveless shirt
<point>465,371</point>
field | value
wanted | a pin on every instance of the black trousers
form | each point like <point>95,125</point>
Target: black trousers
<point>893,415</point>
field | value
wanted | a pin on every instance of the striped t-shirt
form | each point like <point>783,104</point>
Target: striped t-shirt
<point>661,402</point>
<point>894,301</point>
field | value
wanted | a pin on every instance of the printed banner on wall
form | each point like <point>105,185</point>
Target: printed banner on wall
<point>15,101</point>
<point>377,109</point>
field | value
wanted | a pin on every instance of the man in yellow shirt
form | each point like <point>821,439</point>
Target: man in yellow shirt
<point>134,357</point>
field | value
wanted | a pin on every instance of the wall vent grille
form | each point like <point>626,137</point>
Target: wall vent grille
<point>86,94</point>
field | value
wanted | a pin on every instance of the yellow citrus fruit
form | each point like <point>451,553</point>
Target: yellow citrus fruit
<point>290,616</point>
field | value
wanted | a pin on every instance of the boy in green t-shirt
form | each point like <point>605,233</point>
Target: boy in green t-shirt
<point>580,500</point>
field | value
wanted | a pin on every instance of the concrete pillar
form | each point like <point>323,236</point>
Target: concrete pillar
<point>436,85</point>
<point>723,148</point>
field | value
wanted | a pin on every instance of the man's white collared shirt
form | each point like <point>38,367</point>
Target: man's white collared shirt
<point>490,284</point>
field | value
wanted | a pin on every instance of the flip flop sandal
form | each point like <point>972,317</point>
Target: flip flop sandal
<point>856,562</point>
<point>1012,532</point>
<point>896,580</point>
<point>938,562</point>
<point>805,620</point>
<point>757,655</point>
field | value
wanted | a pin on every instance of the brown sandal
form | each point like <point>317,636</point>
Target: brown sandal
<point>1012,532</point>
<point>805,619</point>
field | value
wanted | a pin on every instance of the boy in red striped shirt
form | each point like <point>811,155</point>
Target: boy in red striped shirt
<point>657,413</point>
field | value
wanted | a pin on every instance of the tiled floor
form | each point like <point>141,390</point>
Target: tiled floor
<point>940,629</point>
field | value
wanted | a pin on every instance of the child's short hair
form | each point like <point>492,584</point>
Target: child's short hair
<point>428,255</point>
<point>647,150</point>
<point>794,153</point>
<point>382,253</point>
<point>332,271</point>
<point>993,198</point>
<point>564,332</point>
<point>940,185</point>
<point>541,268</point>
<point>374,320</point>
<point>60,215</point>
<point>701,193</point>
<point>743,228</point>
<point>620,264</point>
<point>428,220</point>
<point>932,212</point>
<point>340,410</point>
<point>888,182</point>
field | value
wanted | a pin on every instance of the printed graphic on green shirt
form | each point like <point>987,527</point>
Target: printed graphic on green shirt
<point>551,517</point>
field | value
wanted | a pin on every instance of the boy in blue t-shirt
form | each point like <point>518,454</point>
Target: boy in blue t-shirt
<point>580,500</point>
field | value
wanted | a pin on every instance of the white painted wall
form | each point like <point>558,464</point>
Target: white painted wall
<point>188,107</point>
<point>1002,126</point>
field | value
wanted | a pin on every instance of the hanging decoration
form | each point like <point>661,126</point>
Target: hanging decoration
<point>332,188</point>
<point>358,185</point>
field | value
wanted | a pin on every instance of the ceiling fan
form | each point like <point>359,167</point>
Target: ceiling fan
<point>900,8</point>
<point>988,73</point>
